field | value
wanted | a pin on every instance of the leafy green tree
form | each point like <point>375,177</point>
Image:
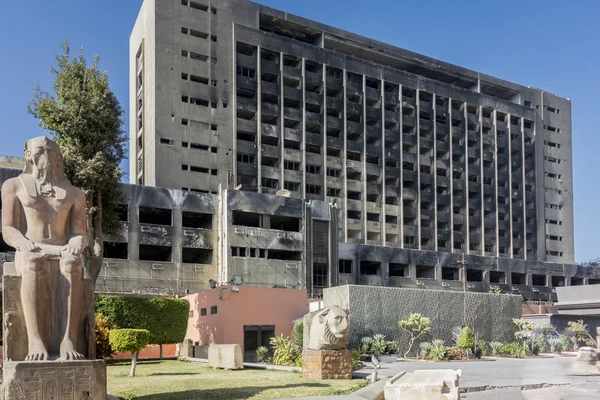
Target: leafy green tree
<point>85,118</point>
<point>129,341</point>
<point>416,326</point>
<point>165,318</point>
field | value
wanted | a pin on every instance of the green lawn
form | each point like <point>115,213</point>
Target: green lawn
<point>179,380</point>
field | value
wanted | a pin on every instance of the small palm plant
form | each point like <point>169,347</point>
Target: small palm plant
<point>262,354</point>
<point>425,348</point>
<point>495,347</point>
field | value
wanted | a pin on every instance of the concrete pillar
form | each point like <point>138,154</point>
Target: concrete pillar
<point>528,279</point>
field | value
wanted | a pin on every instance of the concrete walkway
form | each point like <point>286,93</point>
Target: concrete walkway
<point>504,379</point>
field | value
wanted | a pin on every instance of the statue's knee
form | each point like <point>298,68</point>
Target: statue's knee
<point>70,264</point>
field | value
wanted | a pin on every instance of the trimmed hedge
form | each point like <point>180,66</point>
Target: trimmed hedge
<point>165,318</point>
<point>129,340</point>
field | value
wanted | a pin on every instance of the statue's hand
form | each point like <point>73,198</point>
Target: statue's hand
<point>71,249</point>
<point>26,245</point>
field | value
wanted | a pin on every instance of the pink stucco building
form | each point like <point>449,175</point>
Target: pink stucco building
<point>248,317</point>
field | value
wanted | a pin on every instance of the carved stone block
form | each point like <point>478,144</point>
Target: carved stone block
<point>55,380</point>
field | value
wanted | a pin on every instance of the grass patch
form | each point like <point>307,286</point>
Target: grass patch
<point>179,380</point>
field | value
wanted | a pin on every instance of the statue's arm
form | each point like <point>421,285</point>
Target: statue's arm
<point>78,237</point>
<point>12,217</point>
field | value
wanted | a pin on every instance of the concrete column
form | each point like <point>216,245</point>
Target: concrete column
<point>176,249</point>
<point>133,249</point>
<point>529,279</point>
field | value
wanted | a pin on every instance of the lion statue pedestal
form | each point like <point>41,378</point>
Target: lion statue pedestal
<point>325,339</point>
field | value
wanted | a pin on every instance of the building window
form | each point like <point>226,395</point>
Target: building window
<point>345,266</point>
<point>291,165</point>
<point>168,142</point>
<point>320,275</point>
<point>247,72</point>
<point>313,169</point>
<point>203,311</point>
<point>332,192</point>
<point>335,173</point>
<point>213,310</point>
<point>313,189</point>
<point>245,158</point>
<point>291,186</point>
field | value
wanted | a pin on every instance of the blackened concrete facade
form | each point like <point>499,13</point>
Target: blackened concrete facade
<point>416,153</point>
<point>176,241</point>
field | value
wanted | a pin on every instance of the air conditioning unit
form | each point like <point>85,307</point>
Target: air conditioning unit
<point>188,233</point>
<point>471,286</point>
<point>198,268</point>
<point>110,264</point>
<point>146,229</point>
<point>420,283</point>
<point>445,284</point>
<point>291,265</point>
<point>157,267</point>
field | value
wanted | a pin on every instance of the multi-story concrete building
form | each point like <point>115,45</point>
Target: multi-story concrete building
<point>415,152</point>
<point>396,164</point>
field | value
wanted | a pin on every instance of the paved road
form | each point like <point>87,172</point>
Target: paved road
<point>579,380</point>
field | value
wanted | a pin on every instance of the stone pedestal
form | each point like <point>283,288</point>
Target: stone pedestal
<point>327,364</point>
<point>56,380</point>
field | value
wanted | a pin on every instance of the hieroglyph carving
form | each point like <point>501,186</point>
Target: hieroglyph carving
<point>326,329</point>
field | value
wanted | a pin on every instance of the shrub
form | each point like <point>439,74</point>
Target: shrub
<point>262,354</point>
<point>495,346</point>
<point>566,342</point>
<point>298,336</point>
<point>129,340</point>
<point>165,318</point>
<point>455,353</point>
<point>284,352</point>
<point>579,331</point>
<point>438,350</point>
<point>366,344</point>
<point>513,349</point>
<point>102,328</point>
<point>424,349</point>
<point>483,347</point>
<point>555,345</point>
<point>356,361</point>
<point>417,326</point>
<point>466,339</point>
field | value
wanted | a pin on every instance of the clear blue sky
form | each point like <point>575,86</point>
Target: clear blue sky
<point>548,44</point>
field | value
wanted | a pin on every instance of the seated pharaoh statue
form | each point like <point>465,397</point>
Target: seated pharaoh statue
<point>44,219</point>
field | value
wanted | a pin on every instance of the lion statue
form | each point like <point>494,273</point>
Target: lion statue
<point>326,329</point>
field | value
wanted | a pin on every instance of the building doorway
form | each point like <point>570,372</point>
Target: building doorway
<point>254,337</point>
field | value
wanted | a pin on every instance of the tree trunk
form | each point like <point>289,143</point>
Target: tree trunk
<point>134,356</point>
<point>95,245</point>
<point>410,345</point>
<point>160,346</point>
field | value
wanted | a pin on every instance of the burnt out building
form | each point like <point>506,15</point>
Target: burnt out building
<point>424,160</point>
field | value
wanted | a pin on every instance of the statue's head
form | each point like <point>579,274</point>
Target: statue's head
<point>43,155</point>
<point>335,321</point>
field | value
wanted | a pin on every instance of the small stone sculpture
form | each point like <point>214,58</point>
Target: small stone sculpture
<point>326,329</point>
<point>44,219</point>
